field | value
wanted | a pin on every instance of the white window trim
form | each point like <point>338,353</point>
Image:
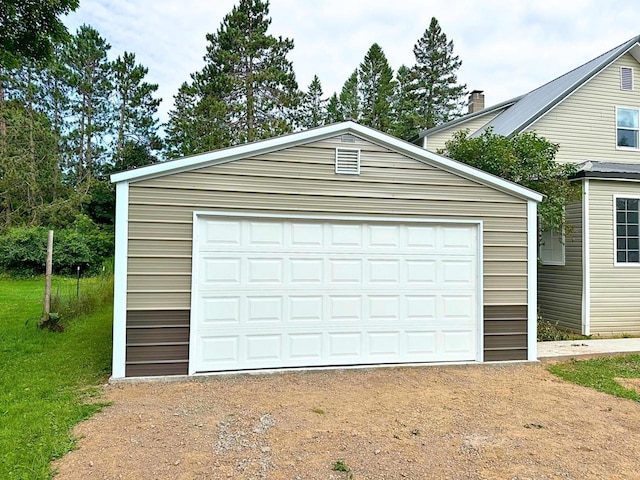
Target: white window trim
<point>554,262</point>
<point>632,79</point>
<point>615,233</point>
<point>628,149</point>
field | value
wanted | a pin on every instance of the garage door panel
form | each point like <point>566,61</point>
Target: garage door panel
<point>220,310</point>
<point>274,293</point>
<point>265,271</point>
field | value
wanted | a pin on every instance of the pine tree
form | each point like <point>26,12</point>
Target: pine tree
<point>438,95</point>
<point>334,111</point>
<point>404,103</point>
<point>135,110</point>
<point>89,77</point>
<point>376,87</point>
<point>247,89</point>
<point>313,108</point>
<point>350,98</point>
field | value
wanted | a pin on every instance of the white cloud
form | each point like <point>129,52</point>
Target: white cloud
<point>507,48</point>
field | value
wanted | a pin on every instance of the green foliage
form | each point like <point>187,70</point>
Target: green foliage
<point>49,381</point>
<point>350,99</point>
<point>29,29</point>
<point>601,374</point>
<point>246,91</point>
<point>550,332</point>
<point>84,244</point>
<point>87,72</point>
<point>438,94</point>
<point>340,466</point>
<point>334,113</point>
<point>313,108</point>
<point>404,106</point>
<point>88,298</point>
<point>376,88</point>
<point>526,159</point>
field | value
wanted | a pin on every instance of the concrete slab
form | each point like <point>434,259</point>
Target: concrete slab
<point>568,349</point>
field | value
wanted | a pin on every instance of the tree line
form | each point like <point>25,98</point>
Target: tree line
<point>70,116</point>
<point>247,89</point>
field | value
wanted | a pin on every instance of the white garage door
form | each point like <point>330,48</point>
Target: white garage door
<point>272,293</point>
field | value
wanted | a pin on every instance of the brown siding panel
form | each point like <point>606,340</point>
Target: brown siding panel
<point>157,342</point>
<point>505,332</point>
<point>156,369</point>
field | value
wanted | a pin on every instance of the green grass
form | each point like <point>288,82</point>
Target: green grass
<point>600,373</point>
<point>48,381</point>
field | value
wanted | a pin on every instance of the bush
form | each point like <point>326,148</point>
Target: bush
<point>551,332</point>
<point>23,250</point>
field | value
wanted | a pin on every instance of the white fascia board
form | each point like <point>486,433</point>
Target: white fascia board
<point>316,134</point>
<point>532,281</point>
<point>120,281</point>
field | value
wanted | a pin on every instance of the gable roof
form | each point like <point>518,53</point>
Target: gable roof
<point>530,107</point>
<point>295,139</point>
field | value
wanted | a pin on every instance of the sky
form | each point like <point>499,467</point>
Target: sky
<point>507,47</point>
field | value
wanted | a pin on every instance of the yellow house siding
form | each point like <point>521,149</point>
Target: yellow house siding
<point>560,286</point>
<point>437,141</point>
<point>615,290</point>
<point>584,124</point>
<point>302,180</point>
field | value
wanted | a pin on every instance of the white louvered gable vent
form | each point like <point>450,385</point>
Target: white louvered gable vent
<point>626,78</point>
<point>348,161</point>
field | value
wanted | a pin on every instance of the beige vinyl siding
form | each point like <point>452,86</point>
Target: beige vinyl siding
<point>302,180</point>
<point>584,124</point>
<point>437,141</point>
<point>560,286</point>
<point>615,290</point>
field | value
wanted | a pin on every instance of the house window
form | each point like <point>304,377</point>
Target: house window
<point>627,127</point>
<point>551,250</point>
<point>627,227</point>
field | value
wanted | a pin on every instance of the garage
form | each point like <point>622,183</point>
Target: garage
<point>275,293</point>
<point>339,246</point>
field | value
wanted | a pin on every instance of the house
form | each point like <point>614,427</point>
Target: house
<point>336,246</point>
<point>588,282</point>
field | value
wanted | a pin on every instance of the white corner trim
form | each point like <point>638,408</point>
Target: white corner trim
<point>480,286</point>
<point>532,281</point>
<point>120,281</point>
<point>586,262</point>
<point>195,275</point>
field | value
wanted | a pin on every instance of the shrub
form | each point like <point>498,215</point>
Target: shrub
<point>23,250</point>
<point>551,332</point>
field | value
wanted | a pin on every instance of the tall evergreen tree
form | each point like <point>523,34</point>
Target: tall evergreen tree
<point>350,98</point>
<point>334,110</point>
<point>247,89</point>
<point>313,108</point>
<point>89,76</point>
<point>404,103</point>
<point>438,94</point>
<point>135,111</point>
<point>376,87</point>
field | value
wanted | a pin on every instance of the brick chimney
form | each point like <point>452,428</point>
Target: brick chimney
<point>476,101</point>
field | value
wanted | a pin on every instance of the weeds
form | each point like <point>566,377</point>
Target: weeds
<point>340,466</point>
<point>551,332</point>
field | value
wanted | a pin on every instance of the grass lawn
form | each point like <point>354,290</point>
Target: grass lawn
<point>600,373</point>
<point>47,380</point>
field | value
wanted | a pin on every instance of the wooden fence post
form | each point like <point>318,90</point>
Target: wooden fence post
<point>47,281</point>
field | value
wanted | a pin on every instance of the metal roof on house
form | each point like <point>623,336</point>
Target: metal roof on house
<point>530,107</point>
<point>598,169</point>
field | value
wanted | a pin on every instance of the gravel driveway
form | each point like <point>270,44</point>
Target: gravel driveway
<point>472,422</point>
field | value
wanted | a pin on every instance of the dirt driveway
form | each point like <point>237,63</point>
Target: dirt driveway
<point>475,422</point>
